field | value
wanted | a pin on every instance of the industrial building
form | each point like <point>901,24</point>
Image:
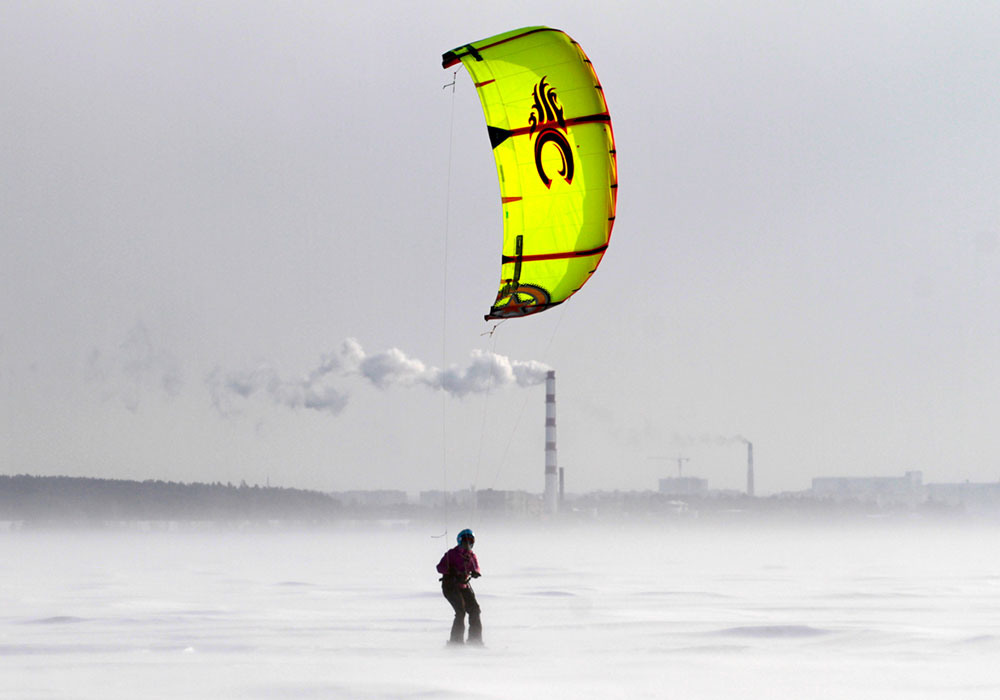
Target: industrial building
<point>971,497</point>
<point>880,490</point>
<point>684,486</point>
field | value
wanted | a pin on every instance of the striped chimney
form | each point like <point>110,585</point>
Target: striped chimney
<point>551,471</point>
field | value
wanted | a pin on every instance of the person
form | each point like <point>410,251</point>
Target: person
<point>457,566</point>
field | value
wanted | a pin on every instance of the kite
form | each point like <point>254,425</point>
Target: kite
<point>554,148</point>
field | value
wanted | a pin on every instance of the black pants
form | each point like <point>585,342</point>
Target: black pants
<point>463,600</point>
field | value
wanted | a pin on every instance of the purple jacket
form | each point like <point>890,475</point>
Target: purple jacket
<point>459,563</point>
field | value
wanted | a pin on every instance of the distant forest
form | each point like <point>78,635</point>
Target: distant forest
<point>73,499</point>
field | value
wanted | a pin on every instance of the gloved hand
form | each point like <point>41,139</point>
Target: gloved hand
<point>475,574</point>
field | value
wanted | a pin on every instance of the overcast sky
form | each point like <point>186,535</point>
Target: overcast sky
<point>229,249</point>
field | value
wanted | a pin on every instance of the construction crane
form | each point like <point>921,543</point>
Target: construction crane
<point>680,462</point>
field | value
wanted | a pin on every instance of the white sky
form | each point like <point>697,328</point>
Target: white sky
<point>806,249</point>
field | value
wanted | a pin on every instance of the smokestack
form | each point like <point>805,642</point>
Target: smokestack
<point>749,468</point>
<point>551,472</point>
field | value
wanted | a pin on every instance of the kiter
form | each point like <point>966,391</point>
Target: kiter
<point>457,567</point>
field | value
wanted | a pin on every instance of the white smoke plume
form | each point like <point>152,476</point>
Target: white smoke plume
<point>323,388</point>
<point>707,440</point>
<point>312,392</point>
<point>136,368</point>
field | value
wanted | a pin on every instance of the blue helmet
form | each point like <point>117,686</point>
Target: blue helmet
<point>466,533</point>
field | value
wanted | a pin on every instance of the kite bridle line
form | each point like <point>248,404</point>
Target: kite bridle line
<point>486,406</point>
<point>444,327</point>
<point>444,304</point>
<point>493,330</point>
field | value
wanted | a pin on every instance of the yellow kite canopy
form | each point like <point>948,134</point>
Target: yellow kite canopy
<point>555,154</point>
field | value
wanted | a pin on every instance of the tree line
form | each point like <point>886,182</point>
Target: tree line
<point>79,499</point>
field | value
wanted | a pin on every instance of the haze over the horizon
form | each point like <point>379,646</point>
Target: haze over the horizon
<point>201,203</point>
